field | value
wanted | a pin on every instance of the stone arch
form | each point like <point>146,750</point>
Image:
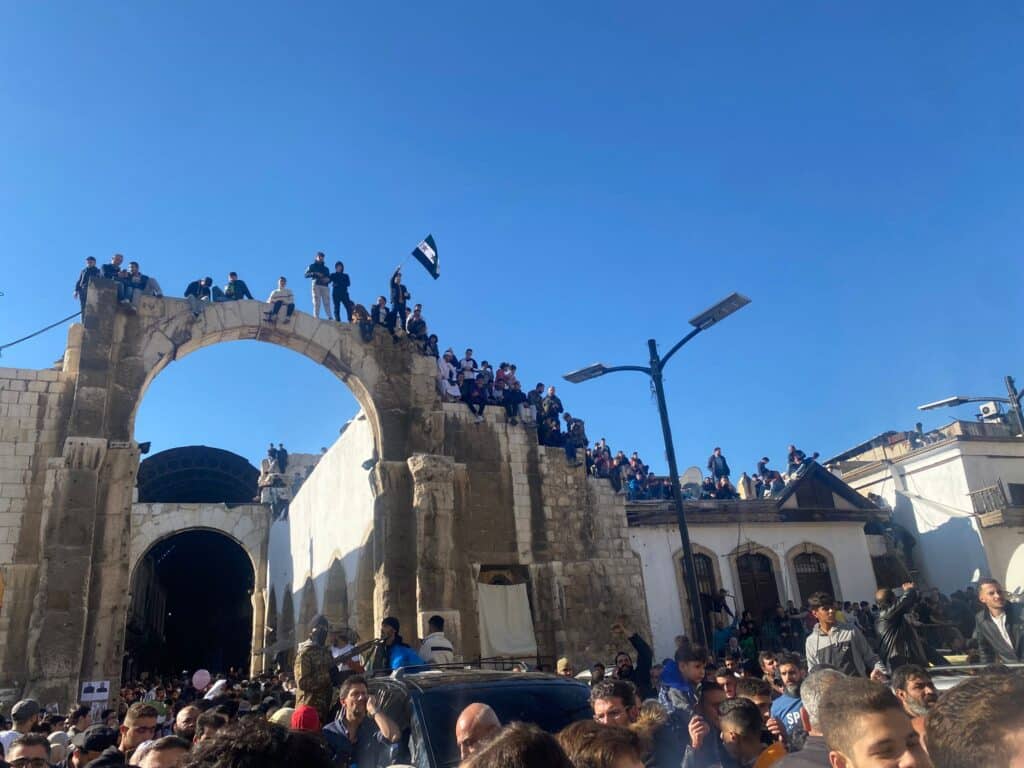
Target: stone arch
<point>148,597</point>
<point>246,525</point>
<point>335,606</point>
<point>807,547</point>
<point>394,387</point>
<point>754,548</point>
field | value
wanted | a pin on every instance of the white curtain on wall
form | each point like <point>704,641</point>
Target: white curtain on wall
<point>931,515</point>
<point>506,626</point>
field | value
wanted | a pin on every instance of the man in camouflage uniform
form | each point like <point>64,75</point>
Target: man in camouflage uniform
<point>575,437</point>
<point>315,672</point>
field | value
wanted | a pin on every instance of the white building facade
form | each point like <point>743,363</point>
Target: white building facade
<point>763,552</point>
<point>958,491</point>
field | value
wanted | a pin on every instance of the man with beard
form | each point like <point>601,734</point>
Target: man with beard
<point>393,652</point>
<point>315,672</point>
<point>185,722</point>
<point>914,688</point>
<point>786,708</point>
<point>999,627</point>
<point>640,675</point>
<point>362,734</point>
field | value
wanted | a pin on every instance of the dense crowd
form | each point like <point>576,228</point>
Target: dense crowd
<point>844,696</point>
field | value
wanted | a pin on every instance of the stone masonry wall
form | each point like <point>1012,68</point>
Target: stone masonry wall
<point>523,504</point>
<point>34,409</point>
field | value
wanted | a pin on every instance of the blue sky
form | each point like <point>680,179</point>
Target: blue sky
<point>594,174</point>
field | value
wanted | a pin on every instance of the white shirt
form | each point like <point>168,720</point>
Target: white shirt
<point>437,649</point>
<point>1000,622</point>
<point>282,294</point>
<point>7,738</point>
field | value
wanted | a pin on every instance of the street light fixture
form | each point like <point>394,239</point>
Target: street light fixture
<point>709,317</point>
<point>1013,400</point>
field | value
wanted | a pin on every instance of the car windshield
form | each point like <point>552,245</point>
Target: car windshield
<point>550,705</point>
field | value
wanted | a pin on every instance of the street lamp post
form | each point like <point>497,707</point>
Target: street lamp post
<point>1013,399</point>
<point>701,322</point>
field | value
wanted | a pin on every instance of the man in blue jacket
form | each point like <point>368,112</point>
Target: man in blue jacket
<point>393,652</point>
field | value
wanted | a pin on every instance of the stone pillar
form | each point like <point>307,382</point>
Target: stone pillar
<point>57,625</point>
<point>394,545</point>
<point>259,631</point>
<point>433,502</point>
<point>433,507</point>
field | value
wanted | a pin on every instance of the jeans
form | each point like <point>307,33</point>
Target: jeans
<point>475,408</point>
<point>277,308</point>
<point>321,296</point>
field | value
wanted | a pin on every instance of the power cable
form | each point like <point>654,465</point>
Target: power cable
<point>41,330</point>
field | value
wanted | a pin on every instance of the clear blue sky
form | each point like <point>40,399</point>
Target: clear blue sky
<point>594,174</point>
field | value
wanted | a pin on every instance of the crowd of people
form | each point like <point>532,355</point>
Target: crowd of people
<point>464,380</point>
<point>844,699</point>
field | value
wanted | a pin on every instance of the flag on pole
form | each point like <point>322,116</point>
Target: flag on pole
<point>426,254</point>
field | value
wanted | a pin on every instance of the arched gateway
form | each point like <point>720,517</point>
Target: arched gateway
<point>449,497</point>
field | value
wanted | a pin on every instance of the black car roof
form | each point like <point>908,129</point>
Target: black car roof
<point>424,679</point>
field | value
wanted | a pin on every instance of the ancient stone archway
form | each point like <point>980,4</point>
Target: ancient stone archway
<point>449,493</point>
<point>84,570</point>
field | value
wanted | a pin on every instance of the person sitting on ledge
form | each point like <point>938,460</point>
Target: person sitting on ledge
<point>281,296</point>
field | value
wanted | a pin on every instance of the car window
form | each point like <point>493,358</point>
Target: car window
<point>550,705</point>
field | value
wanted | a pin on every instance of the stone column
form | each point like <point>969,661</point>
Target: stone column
<point>433,512</point>
<point>259,631</point>
<point>59,615</point>
<point>394,545</point>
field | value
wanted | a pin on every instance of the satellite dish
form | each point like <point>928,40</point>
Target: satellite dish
<point>692,475</point>
<point>691,490</point>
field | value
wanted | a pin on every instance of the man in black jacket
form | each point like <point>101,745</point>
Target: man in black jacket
<point>86,276</point>
<point>399,298</point>
<point>340,282</point>
<point>197,292</point>
<point>999,628</point>
<point>236,289</point>
<point>639,675</point>
<point>898,640</point>
<point>321,279</point>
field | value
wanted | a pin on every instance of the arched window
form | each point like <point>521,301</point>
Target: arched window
<point>812,575</point>
<point>705,574</point>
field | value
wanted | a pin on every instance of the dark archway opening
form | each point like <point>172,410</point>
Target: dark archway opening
<point>191,606</point>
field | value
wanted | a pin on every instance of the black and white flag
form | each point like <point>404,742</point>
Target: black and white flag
<point>426,254</point>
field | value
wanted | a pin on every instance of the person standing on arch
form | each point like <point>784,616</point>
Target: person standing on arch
<point>282,457</point>
<point>321,279</point>
<point>86,276</point>
<point>399,298</point>
<point>340,283</point>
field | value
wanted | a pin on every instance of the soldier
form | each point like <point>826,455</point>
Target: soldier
<point>575,437</point>
<point>315,672</point>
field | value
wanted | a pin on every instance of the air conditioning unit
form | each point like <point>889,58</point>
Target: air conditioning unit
<point>990,410</point>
